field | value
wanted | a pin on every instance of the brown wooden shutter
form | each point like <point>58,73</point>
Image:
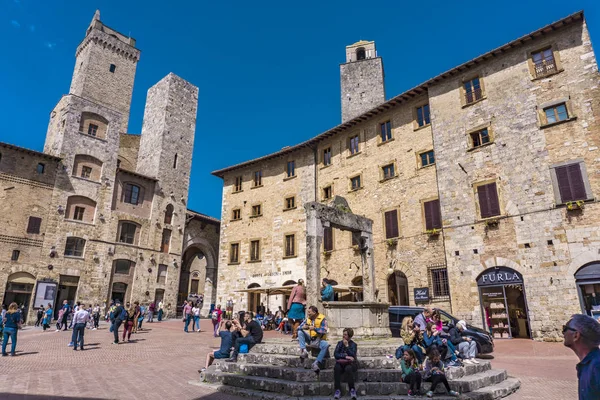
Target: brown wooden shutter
<point>328,238</point>
<point>570,183</point>
<point>489,203</point>
<point>391,224</point>
<point>483,202</point>
<point>433,218</point>
<point>34,224</point>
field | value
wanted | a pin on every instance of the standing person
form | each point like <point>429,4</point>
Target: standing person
<point>59,319</point>
<point>73,311</point>
<point>410,372</point>
<point>136,316</point>
<point>326,290</point>
<point>296,307</point>
<point>464,344</point>
<point>66,310</point>
<point>216,317</point>
<point>80,319</point>
<point>47,317</point>
<point>140,318</point>
<point>129,321</point>
<point>160,310</point>
<point>316,325</point>
<point>187,315</point>
<point>582,335</point>
<point>40,315</point>
<point>119,317</point>
<point>434,373</point>
<point>151,309</point>
<point>12,322</point>
<point>249,334</point>
<point>196,316</point>
<point>345,363</point>
<point>226,344</point>
<point>96,316</point>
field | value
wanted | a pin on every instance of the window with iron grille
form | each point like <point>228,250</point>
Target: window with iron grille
<point>255,250</point>
<point>78,213</point>
<point>127,234</point>
<point>291,169</point>
<point>543,62</point>
<point>290,202</point>
<point>237,214</point>
<point>290,245</point>
<point>86,172</point>
<point>327,192</point>
<point>480,138</point>
<point>353,144</point>
<point>234,253</point>
<point>256,210</point>
<point>438,282</point>
<point>15,255</point>
<point>257,178</point>
<point>388,171</point>
<point>327,156</point>
<point>131,194</point>
<point>355,182</point>
<point>556,113</point>
<point>92,129</point>
<point>385,131</point>
<point>473,90</point>
<point>34,224</point>
<point>162,274</point>
<point>74,246</point>
<point>423,117</point>
<point>427,158</point>
<point>238,183</point>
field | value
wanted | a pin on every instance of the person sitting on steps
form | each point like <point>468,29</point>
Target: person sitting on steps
<point>410,372</point>
<point>345,363</point>
<point>413,339</point>
<point>434,373</point>
<point>226,343</point>
<point>314,331</point>
<point>465,345</point>
<point>251,334</point>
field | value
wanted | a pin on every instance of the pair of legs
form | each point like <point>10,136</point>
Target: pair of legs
<point>12,334</point>
<point>96,320</point>
<point>77,336</point>
<point>248,340</point>
<point>210,357</point>
<point>151,316</point>
<point>197,322</point>
<point>127,328</point>
<point>215,327</point>
<point>437,379</point>
<point>63,322</point>
<point>414,381</point>
<point>188,319</point>
<point>347,371</point>
<point>139,322</point>
<point>39,321</point>
<point>160,315</point>
<point>304,337</point>
<point>468,350</point>
<point>116,326</point>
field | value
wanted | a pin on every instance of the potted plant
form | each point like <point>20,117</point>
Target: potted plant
<point>392,242</point>
<point>492,221</point>
<point>575,205</point>
<point>433,232</point>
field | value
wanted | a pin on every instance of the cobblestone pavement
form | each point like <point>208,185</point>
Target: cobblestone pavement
<point>161,361</point>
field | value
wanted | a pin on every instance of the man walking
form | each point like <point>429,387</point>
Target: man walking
<point>160,310</point>
<point>120,316</point>
<point>582,335</point>
<point>40,315</point>
<point>80,319</point>
<point>314,331</point>
<point>66,310</point>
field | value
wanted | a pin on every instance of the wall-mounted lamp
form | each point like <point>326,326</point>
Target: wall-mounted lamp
<point>60,209</point>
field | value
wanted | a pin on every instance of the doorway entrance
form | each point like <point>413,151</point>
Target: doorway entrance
<point>588,287</point>
<point>67,290</point>
<point>159,295</point>
<point>19,288</point>
<point>398,289</point>
<point>503,303</point>
<point>253,298</point>
<point>119,290</point>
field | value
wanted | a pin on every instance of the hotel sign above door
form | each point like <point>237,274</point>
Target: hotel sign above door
<point>499,276</point>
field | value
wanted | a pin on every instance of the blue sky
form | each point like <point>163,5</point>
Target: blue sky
<point>268,71</point>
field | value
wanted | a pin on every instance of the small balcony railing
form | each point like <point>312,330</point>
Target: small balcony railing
<point>544,68</point>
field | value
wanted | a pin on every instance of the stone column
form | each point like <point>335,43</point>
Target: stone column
<point>210,294</point>
<point>368,264</point>
<point>314,238</point>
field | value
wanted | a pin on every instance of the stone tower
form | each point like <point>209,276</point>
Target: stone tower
<point>361,80</point>
<point>105,66</point>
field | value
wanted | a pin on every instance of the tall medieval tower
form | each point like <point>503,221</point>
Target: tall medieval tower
<point>361,80</point>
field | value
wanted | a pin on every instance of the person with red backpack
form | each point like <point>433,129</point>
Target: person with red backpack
<point>216,319</point>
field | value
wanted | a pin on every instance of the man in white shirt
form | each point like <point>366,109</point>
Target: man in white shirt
<point>80,319</point>
<point>160,310</point>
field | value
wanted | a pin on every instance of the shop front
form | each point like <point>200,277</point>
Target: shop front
<point>588,287</point>
<point>503,303</point>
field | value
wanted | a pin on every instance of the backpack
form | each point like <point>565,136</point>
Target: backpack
<point>215,315</point>
<point>123,315</point>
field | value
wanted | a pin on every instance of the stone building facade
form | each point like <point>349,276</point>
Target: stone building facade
<point>102,214</point>
<point>481,184</point>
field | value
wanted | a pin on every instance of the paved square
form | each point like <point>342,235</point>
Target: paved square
<point>160,361</point>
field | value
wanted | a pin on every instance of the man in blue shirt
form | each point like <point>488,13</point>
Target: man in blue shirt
<point>582,335</point>
<point>226,344</point>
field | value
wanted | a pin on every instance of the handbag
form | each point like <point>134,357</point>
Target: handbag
<point>343,361</point>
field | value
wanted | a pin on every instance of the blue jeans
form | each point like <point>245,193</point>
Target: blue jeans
<point>303,337</point>
<point>12,333</point>
<point>77,336</point>
<point>197,322</point>
<point>160,314</point>
<point>188,318</point>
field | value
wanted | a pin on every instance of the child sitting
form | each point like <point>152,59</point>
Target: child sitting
<point>411,373</point>
<point>434,373</point>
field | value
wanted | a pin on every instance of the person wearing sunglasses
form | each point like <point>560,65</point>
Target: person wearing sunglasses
<point>582,335</point>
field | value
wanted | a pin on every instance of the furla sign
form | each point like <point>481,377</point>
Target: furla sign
<point>499,276</point>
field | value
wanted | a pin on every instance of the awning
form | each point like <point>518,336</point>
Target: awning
<point>287,289</point>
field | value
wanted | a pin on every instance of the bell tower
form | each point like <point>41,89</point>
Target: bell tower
<point>361,80</point>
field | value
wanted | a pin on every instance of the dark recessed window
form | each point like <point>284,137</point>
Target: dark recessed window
<point>74,247</point>
<point>234,253</point>
<point>86,172</point>
<point>40,168</point>
<point>290,202</point>
<point>131,194</point>
<point>257,178</point>
<point>166,241</point>
<point>543,62</point>
<point>112,68</point>
<point>327,192</point>
<point>423,117</point>
<point>427,158</point>
<point>327,156</point>
<point>388,171</point>
<point>34,224</point>
<point>256,210</point>
<point>354,140</point>
<point>237,214</point>
<point>175,161</point>
<point>361,54</point>
<point>355,183</point>
<point>291,169</point>
<point>127,234</point>
<point>169,213</point>
<point>78,213</point>
<point>472,90</point>
<point>480,138</point>
<point>122,267</point>
<point>15,255</point>
<point>327,238</point>
<point>290,245</point>
<point>238,184</point>
<point>92,130</point>
<point>255,250</point>
<point>385,131</point>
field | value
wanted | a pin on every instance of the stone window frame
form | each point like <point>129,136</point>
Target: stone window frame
<point>257,183</point>
<point>353,176</point>
<point>419,157</point>
<point>322,156</point>
<point>235,184</point>
<point>250,250</point>
<point>73,203</point>
<point>229,255</point>
<point>498,194</point>
<point>73,250</point>
<point>88,117</point>
<point>130,267</point>
<point>423,213</point>
<point>382,177</point>
<point>584,175</point>
<point>479,128</point>
<point>415,115</point>
<point>140,194</point>
<point>555,53</point>
<point>463,93</point>
<point>285,238</point>
<point>329,185</point>
<point>287,176</point>
<point>398,220</point>
<point>233,210</point>
<point>85,160</point>
<point>359,145</point>
<point>162,268</point>
<point>541,112</point>
<point>285,203</point>
<point>260,214</point>
<point>136,233</point>
<point>381,122</point>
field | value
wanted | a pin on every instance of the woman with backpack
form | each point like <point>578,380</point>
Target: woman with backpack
<point>12,323</point>
<point>129,321</point>
<point>216,319</point>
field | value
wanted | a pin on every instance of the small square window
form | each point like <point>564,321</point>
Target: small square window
<point>291,169</point>
<point>34,224</point>
<point>257,178</point>
<point>355,183</point>
<point>543,62</point>
<point>78,214</point>
<point>236,215</point>
<point>15,255</point>
<point>327,192</point>
<point>92,130</point>
<point>290,202</point>
<point>427,158</point>
<point>40,168</point>
<point>86,172</point>
<point>480,138</point>
<point>556,113</point>
<point>385,131</point>
<point>327,156</point>
<point>388,171</point>
<point>234,253</point>
<point>112,68</point>
<point>353,145</point>
<point>238,184</point>
<point>423,117</point>
<point>473,91</point>
<point>256,210</point>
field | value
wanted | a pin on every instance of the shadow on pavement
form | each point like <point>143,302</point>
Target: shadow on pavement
<point>17,396</point>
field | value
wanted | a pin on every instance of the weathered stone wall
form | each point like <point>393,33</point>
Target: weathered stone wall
<point>362,86</point>
<point>129,147</point>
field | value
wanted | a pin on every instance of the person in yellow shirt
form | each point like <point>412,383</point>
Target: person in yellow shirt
<point>313,330</point>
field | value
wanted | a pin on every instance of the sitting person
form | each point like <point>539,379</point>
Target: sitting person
<point>411,373</point>
<point>413,339</point>
<point>316,325</point>
<point>268,321</point>
<point>260,318</point>
<point>465,345</point>
<point>226,344</point>
<point>250,334</point>
<point>327,293</point>
<point>437,324</point>
<point>345,363</point>
<point>432,340</point>
<point>434,373</point>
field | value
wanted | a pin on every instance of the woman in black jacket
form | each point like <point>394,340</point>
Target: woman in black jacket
<point>345,363</point>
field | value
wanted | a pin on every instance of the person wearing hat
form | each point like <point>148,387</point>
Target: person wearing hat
<point>118,320</point>
<point>464,344</point>
<point>582,335</point>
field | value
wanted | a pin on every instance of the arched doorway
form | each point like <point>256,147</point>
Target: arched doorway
<point>193,275</point>
<point>588,287</point>
<point>503,303</point>
<point>253,298</point>
<point>398,289</point>
<point>19,288</point>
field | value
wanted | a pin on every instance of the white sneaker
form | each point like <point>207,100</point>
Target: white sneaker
<point>467,361</point>
<point>303,353</point>
<point>474,361</point>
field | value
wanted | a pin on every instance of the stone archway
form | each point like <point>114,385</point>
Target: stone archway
<point>19,289</point>
<point>198,276</point>
<point>397,284</point>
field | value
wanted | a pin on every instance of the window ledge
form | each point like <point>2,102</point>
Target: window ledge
<point>289,178</point>
<point>386,179</point>
<point>325,166</point>
<point>327,199</point>
<point>386,142</point>
<point>541,77</point>
<point>93,137</point>
<point>80,222</point>
<point>86,179</point>
<point>418,128</point>
<point>74,257</point>
<point>479,147</point>
<point>294,256</point>
<point>491,219</point>
<point>234,220</point>
<point>564,204</point>
<point>234,263</point>
<point>237,191</point>
<point>354,155</point>
<point>573,118</point>
<point>427,166</point>
<point>474,102</point>
<point>256,187</point>
<point>289,209</point>
<point>355,190</point>
<point>256,216</point>
<point>254,261</point>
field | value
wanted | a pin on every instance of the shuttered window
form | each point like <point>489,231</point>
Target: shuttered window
<point>290,245</point>
<point>570,183</point>
<point>433,218</point>
<point>327,238</point>
<point>489,206</point>
<point>391,224</point>
<point>34,224</point>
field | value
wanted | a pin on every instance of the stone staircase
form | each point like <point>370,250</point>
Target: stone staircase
<point>274,370</point>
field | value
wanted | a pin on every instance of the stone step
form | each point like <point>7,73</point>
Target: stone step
<point>454,373</point>
<point>294,361</point>
<point>497,391</point>
<point>470,383</point>
<point>293,349</point>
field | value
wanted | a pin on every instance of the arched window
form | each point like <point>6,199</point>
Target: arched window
<point>93,125</point>
<point>360,54</point>
<point>169,214</point>
<point>87,167</point>
<point>80,208</point>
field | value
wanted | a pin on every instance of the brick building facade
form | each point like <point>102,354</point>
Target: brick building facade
<point>102,214</point>
<point>481,183</point>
